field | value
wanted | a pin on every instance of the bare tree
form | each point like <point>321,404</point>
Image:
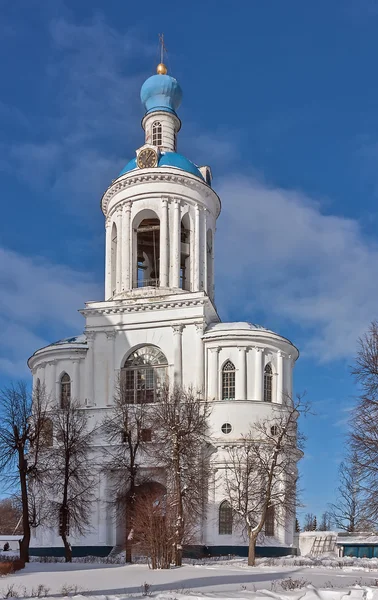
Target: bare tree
<point>325,523</point>
<point>348,512</point>
<point>364,419</point>
<point>154,527</point>
<point>10,516</point>
<point>22,425</point>
<point>70,477</point>
<point>127,429</point>
<point>181,422</point>
<point>261,472</point>
<point>309,522</point>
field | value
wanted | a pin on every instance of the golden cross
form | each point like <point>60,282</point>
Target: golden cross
<point>162,46</point>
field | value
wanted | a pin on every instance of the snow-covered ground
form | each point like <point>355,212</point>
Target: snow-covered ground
<point>212,579</point>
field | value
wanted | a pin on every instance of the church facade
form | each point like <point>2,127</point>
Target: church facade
<point>158,321</point>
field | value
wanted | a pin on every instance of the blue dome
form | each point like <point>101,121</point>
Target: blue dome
<point>161,92</point>
<point>168,159</point>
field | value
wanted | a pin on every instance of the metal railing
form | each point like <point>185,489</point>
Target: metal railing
<point>148,283</point>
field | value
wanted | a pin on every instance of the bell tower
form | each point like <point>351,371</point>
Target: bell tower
<point>161,210</point>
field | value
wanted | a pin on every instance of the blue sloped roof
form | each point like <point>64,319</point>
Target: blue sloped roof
<point>168,159</point>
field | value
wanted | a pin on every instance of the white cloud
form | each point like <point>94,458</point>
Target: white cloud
<point>38,298</point>
<point>285,258</point>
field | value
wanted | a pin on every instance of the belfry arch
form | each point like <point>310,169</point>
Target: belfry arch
<point>185,253</point>
<point>146,255</point>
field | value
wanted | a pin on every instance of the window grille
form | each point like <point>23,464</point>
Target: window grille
<point>144,373</point>
<point>228,381</point>
<point>157,134</point>
<point>268,379</point>
<point>65,390</point>
<point>225,518</point>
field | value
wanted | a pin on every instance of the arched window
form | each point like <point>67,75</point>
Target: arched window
<point>114,258</point>
<point>225,518</point>
<point>185,253</point>
<point>148,253</point>
<point>228,381</point>
<point>143,374</point>
<point>269,521</point>
<point>268,378</point>
<point>65,390</point>
<point>157,134</point>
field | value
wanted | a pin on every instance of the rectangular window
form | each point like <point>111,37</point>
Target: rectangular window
<point>269,521</point>
<point>146,435</point>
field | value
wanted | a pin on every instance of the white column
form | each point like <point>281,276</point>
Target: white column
<point>111,366</point>
<point>199,357</point>
<point>119,251</point>
<point>212,373</point>
<point>177,353</point>
<point>176,246</point>
<point>250,356</point>
<point>197,250</point>
<point>280,378</point>
<point>203,252</point>
<point>259,393</point>
<point>164,244</point>
<point>76,380</point>
<point>55,384</point>
<point>241,388</point>
<point>288,376</point>
<point>126,248</point>
<point>108,260</point>
<point>89,369</point>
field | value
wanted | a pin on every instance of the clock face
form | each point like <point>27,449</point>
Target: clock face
<point>147,158</point>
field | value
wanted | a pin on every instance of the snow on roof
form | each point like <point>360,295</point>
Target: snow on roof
<point>355,538</point>
<point>77,339</point>
<point>238,326</point>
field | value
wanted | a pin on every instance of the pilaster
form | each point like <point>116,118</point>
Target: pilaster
<point>89,369</point>
<point>259,392</point>
<point>164,243</point>
<point>212,374</point>
<point>241,388</point>
<point>177,350</point>
<point>110,336</point>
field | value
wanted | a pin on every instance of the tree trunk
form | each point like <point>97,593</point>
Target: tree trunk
<point>25,542</point>
<point>252,549</point>
<point>179,504</point>
<point>67,548</point>
<point>129,517</point>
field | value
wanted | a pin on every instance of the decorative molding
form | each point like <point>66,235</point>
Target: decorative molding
<point>131,308</point>
<point>111,334</point>
<point>90,335</point>
<point>199,327</point>
<point>178,329</point>
<point>120,184</point>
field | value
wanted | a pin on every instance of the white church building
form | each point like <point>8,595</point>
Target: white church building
<point>159,320</point>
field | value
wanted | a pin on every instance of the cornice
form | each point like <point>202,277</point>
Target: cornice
<point>145,307</point>
<point>130,180</point>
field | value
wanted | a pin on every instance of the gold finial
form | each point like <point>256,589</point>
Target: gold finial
<point>161,69</point>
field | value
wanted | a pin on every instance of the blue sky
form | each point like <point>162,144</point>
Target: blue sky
<point>280,98</point>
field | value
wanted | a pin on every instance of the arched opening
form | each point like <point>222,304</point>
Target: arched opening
<point>185,253</point>
<point>225,518</point>
<point>268,383</point>
<point>157,133</point>
<point>143,374</point>
<point>65,390</point>
<point>228,381</point>
<point>148,253</point>
<point>209,262</point>
<point>269,521</point>
<point>114,259</point>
